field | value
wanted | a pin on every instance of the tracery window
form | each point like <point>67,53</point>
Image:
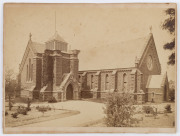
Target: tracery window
<point>31,72</point>
<point>79,78</point>
<point>107,82</point>
<point>92,81</point>
<point>124,82</point>
<point>27,73</point>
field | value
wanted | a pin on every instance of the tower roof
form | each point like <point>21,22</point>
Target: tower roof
<point>56,37</point>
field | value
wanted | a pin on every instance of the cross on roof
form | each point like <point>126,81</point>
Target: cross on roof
<point>150,28</point>
<point>30,35</point>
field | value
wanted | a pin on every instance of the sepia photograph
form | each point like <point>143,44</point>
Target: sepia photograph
<point>89,68</point>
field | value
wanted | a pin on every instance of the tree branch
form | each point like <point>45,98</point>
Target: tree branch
<point>170,45</point>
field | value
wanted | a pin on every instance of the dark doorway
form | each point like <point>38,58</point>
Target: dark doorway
<point>69,92</point>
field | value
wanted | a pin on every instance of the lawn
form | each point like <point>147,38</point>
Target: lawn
<point>162,120</point>
<point>35,116</point>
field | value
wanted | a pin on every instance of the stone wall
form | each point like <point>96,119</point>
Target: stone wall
<point>155,95</point>
<point>66,65</point>
<point>57,71</point>
<point>24,82</point>
<point>130,81</point>
<point>115,81</point>
<point>37,72</point>
<point>156,70</point>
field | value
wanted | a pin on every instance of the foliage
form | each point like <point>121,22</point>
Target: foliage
<point>148,110</point>
<point>6,113</point>
<point>168,108</point>
<point>10,82</point>
<point>52,100</point>
<point>171,90</point>
<point>171,95</point>
<point>169,25</point>
<point>22,110</point>
<point>119,110</point>
<point>43,108</point>
<point>10,103</point>
<point>14,115</point>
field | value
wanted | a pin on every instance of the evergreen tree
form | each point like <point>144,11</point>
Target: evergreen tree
<point>169,25</point>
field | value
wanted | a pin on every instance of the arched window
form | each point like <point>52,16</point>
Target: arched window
<point>92,81</point>
<point>29,69</point>
<point>124,82</point>
<point>27,73</point>
<point>107,82</point>
<point>79,78</point>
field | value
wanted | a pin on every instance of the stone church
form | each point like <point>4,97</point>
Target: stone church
<point>52,70</point>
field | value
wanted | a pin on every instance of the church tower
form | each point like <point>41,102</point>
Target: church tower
<point>57,43</point>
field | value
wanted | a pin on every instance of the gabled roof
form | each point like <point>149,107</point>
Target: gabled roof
<point>37,47</point>
<point>56,37</point>
<point>120,55</point>
<point>156,81</point>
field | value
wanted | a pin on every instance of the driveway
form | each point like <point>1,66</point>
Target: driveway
<point>89,112</point>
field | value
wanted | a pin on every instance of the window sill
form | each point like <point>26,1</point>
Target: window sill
<point>28,82</point>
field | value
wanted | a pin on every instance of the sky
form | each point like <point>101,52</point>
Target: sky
<point>83,27</point>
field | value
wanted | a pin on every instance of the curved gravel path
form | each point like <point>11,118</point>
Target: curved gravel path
<point>89,112</point>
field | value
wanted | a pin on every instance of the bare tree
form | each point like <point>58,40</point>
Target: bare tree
<point>10,85</point>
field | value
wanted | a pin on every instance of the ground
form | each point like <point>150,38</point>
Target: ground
<point>34,116</point>
<point>86,113</point>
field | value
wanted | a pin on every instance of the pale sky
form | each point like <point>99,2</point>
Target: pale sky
<point>84,27</point>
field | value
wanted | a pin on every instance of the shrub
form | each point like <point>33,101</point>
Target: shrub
<point>14,115</point>
<point>43,108</point>
<point>148,110</point>
<point>52,100</point>
<point>119,110</point>
<point>22,110</point>
<point>171,94</point>
<point>6,113</point>
<point>168,108</point>
<point>37,107</point>
<point>28,109</point>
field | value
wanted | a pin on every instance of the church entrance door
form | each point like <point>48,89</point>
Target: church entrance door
<point>69,92</point>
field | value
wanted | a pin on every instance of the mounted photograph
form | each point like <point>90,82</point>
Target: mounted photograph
<point>89,68</point>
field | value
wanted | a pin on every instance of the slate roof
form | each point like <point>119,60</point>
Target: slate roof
<point>37,47</point>
<point>56,37</point>
<point>156,81</point>
<point>120,55</point>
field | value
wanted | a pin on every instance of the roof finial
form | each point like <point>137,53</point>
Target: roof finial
<point>55,21</point>
<point>150,28</point>
<point>30,35</point>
